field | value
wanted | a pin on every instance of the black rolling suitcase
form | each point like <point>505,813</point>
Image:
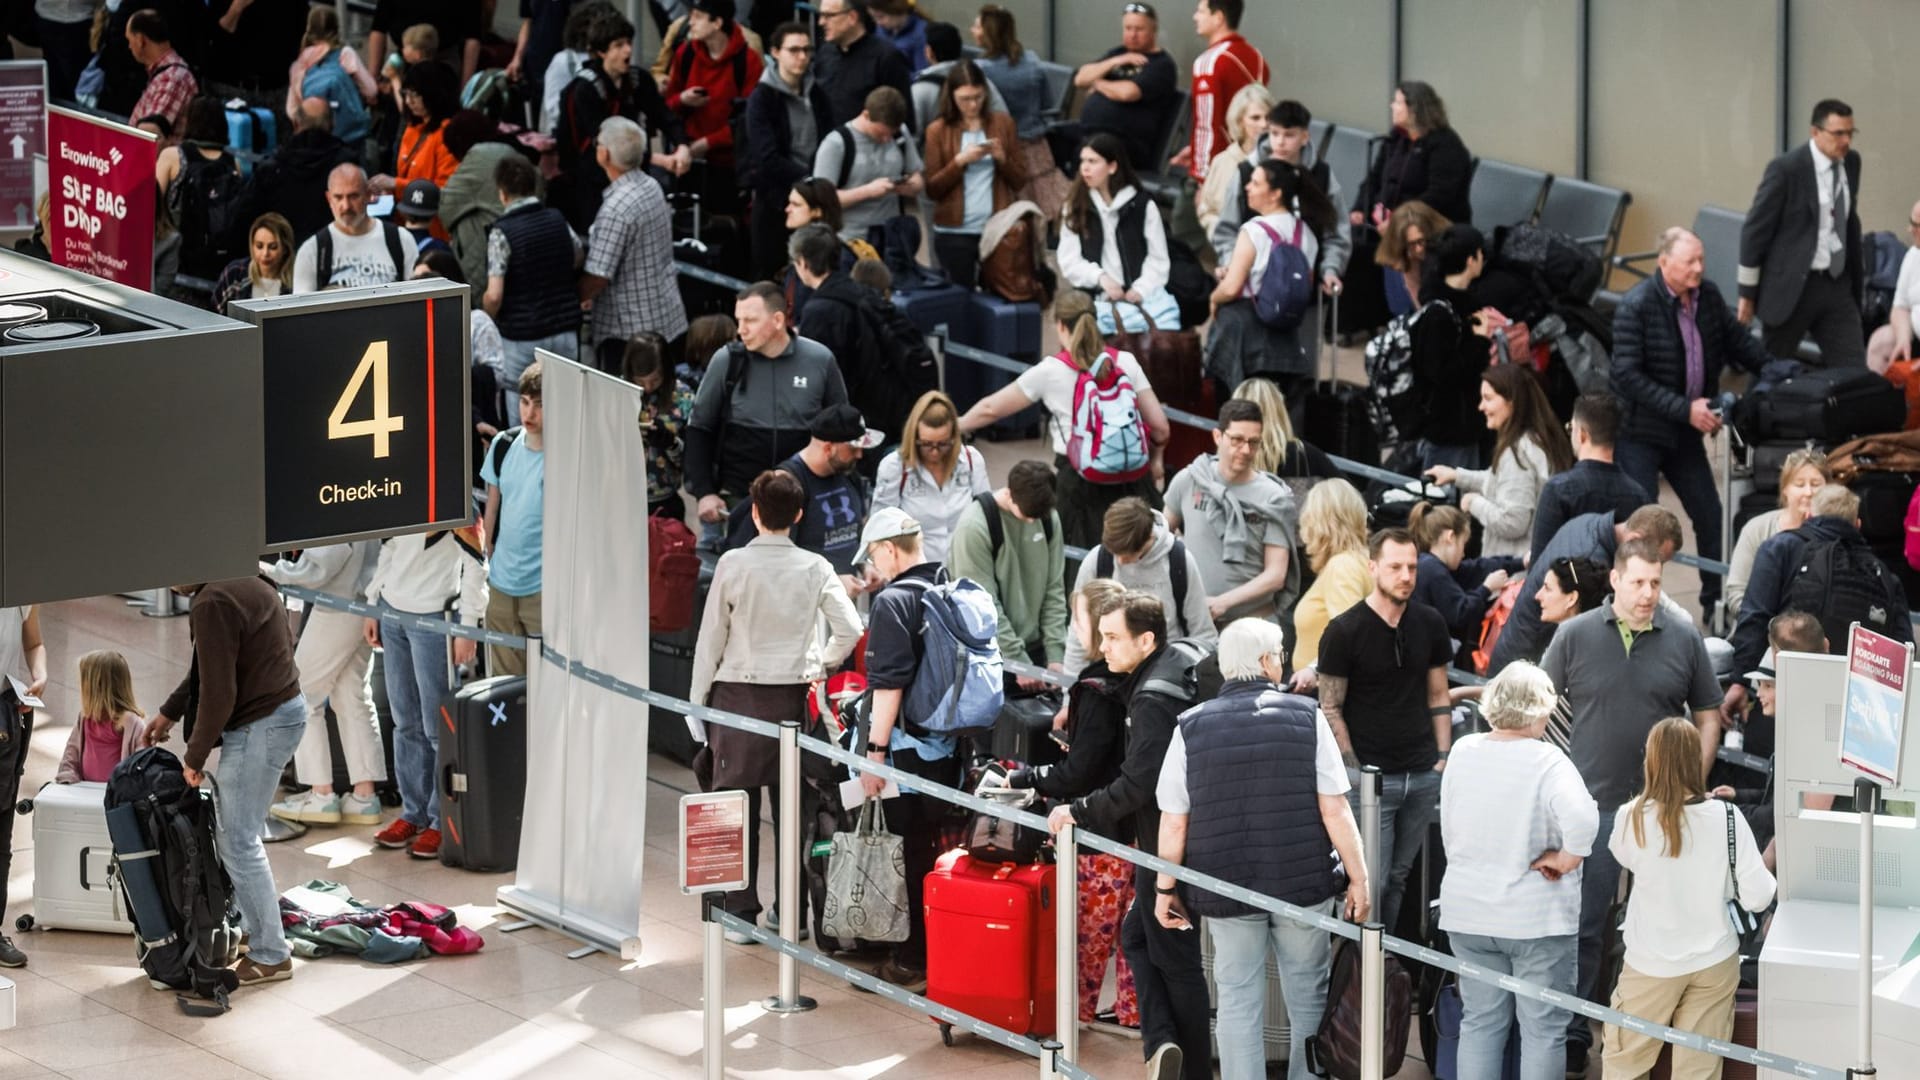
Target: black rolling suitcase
<point>1334,416</point>
<point>1826,405</point>
<point>670,672</point>
<point>482,774</point>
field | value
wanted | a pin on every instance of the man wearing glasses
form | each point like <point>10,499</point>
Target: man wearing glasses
<point>1238,521</point>
<point>786,115</point>
<point>1130,89</point>
<point>1800,253</point>
<point>853,61</point>
<point>1383,686</point>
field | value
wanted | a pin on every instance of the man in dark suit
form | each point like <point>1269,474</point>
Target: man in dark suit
<point>1800,254</point>
<point>1672,337</point>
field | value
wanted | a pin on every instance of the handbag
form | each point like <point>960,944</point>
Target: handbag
<point>867,882</point>
<point>997,840</point>
<point>1746,924</point>
<point>1334,1049</point>
<point>1171,359</point>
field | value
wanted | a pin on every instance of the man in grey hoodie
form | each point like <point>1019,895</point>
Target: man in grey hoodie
<point>786,115</point>
<point>1138,550</point>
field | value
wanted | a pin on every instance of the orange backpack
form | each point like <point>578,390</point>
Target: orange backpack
<point>1905,374</point>
<point>1496,621</point>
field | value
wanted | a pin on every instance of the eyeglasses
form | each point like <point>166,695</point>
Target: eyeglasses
<point>836,14</point>
<point>803,50</point>
<point>1243,442</point>
<point>931,446</point>
<point>1840,133</point>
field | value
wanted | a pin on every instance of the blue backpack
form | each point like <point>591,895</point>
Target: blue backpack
<point>1286,289</point>
<point>327,80</point>
<point>958,686</point>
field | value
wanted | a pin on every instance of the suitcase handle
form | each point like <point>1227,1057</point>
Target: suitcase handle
<point>446,783</point>
<point>84,883</point>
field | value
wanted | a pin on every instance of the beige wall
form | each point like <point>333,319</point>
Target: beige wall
<point>1860,51</point>
<point>1346,84</point>
<point>1683,96</point>
<point>1506,71</point>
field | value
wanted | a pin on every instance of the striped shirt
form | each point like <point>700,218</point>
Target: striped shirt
<point>1219,73</point>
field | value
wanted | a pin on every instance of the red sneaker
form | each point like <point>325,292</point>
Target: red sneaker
<point>399,833</point>
<point>426,845</point>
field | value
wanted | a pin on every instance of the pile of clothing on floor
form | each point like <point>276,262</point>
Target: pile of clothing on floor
<point>323,919</point>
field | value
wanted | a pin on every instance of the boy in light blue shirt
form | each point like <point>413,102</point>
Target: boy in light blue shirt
<point>515,474</point>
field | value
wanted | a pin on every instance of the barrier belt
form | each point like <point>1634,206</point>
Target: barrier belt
<point>1745,760</point>
<point>433,623</point>
<point>911,782</point>
<point>1179,416</point>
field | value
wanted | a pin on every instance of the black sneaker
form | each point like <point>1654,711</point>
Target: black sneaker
<point>1576,1063</point>
<point>10,954</point>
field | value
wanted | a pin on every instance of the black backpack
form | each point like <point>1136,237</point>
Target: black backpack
<point>188,929</point>
<point>904,363</point>
<point>208,203</point>
<point>1176,575</point>
<point>1843,583</point>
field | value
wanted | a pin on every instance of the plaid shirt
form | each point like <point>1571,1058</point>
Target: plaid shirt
<point>631,246</point>
<point>170,85</point>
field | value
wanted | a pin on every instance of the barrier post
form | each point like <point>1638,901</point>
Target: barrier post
<point>1370,833</point>
<point>1066,945</point>
<point>1866,799</point>
<point>713,1004</point>
<point>1373,1001</point>
<point>1049,1060</point>
<point>787,858</point>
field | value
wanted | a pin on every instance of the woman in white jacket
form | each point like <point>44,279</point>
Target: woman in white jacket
<point>1113,243</point>
<point>933,476</point>
<point>1689,855</point>
<point>1529,446</point>
<point>417,575</point>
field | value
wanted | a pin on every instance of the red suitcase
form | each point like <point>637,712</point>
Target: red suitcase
<point>990,942</point>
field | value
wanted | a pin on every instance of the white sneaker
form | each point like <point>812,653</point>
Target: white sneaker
<point>309,807</point>
<point>359,809</point>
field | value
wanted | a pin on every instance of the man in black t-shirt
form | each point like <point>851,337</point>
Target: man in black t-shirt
<point>1383,686</point>
<point>1130,89</point>
<point>836,504</point>
<point>890,548</point>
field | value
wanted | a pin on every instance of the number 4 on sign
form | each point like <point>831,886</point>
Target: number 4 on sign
<point>382,424</point>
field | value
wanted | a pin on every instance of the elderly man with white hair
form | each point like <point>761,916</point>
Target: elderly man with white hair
<point>1253,792</point>
<point>628,284</point>
<point>1516,821</point>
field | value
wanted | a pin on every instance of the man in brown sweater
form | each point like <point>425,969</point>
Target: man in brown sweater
<point>242,694</point>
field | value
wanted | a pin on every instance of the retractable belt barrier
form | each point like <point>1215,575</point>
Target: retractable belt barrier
<point>1178,416</point>
<point>918,785</point>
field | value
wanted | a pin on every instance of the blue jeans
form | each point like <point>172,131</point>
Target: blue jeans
<point>1687,469</point>
<point>1304,955</point>
<point>1486,1012</point>
<point>416,672</point>
<point>252,757</point>
<point>1409,805</point>
<point>1599,882</point>
<point>519,356</point>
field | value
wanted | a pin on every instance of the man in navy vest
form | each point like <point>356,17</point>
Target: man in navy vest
<point>1168,979</point>
<point>532,255</point>
<point>1253,791</point>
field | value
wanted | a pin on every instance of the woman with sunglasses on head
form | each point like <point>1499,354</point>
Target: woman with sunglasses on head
<point>933,476</point>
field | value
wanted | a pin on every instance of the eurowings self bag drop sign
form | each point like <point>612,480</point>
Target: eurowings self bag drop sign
<point>1874,721</point>
<point>100,176</point>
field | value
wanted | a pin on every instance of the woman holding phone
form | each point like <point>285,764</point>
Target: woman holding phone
<point>972,170</point>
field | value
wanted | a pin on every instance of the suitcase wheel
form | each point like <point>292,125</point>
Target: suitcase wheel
<point>946,1029</point>
<point>25,923</point>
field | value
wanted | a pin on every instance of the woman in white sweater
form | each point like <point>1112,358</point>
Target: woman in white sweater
<point>1689,855</point>
<point>1517,822</point>
<point>1803,472</point>
<point>1529,445</point>
<point>1113,244</point>
<point>933,476</point>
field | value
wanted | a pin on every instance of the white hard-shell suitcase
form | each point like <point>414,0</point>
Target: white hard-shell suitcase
<point>71,854</point>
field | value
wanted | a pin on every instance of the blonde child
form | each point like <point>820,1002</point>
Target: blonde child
<point>110,724</point>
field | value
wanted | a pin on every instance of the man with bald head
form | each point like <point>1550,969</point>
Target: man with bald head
<point>353,250</point>
<point>1894,341</point>
<point>293,183</point>
<point>1672,337</point>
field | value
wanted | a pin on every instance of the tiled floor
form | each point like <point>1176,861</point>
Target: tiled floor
<point>519,1008</point>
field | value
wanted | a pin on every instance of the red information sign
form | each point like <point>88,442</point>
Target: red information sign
<point>1873,720</point>
<point>100,175</point>
<point>713,842</point>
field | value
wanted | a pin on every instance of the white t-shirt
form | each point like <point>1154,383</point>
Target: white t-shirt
<point>1906,291</point>
<point>1329,773</point>
<point>357,260</point>
<point>1262,240</point>
<point>1050,382</point>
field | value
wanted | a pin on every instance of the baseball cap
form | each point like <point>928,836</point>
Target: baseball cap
<point>888,523</point>
<point>844,424</point>
<point>420,199</point>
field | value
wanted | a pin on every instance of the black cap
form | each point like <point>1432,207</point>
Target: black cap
<point>844,424</point>
<point>420,200</point>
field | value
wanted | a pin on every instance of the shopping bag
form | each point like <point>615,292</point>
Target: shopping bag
<point>867,882</point>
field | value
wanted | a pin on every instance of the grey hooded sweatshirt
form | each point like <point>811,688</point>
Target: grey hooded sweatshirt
<point>1150,574</point>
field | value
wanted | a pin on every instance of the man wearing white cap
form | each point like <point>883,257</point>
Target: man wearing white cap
<point>835,504</point>
<point>890,548</point>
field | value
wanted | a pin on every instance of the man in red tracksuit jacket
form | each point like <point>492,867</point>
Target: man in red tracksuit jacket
<point>1228,64</point>
<point>712,70</point>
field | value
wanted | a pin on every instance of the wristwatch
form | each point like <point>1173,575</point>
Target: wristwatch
<point>1158,891</point>
<point>876,748</point>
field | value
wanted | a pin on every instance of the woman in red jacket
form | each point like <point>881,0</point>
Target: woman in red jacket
<point>431,94</point>
<point>974,167</point>
<point>713,71</point>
